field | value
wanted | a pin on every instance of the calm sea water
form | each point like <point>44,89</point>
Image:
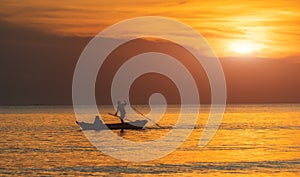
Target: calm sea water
<point>253,140</point>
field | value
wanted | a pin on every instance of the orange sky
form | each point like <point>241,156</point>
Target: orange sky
<point>269,29</point>
<point>257,42</point>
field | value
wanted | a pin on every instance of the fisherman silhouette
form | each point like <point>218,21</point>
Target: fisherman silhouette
<point>121,109</point>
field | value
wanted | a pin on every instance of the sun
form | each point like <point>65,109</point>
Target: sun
<point>244,47</point>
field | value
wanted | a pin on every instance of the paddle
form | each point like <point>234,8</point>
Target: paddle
<point>120,117</point>
<point>146,117</point>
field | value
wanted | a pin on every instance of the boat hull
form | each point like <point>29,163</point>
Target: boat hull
<point>136,125</point>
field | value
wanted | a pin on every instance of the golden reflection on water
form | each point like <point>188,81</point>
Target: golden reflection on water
<point>252,141</point>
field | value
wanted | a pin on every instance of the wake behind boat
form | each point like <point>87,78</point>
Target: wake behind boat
<point>135,125</point>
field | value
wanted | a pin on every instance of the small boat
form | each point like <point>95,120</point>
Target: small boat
<point>135,125</point>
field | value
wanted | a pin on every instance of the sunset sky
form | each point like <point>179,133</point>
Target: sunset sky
<point>265,32</point>
<point>267,28</point>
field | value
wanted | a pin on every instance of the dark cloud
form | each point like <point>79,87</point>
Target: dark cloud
<point>261,80</point>
<point>37,68</point>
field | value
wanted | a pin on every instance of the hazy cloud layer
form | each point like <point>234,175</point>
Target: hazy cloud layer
<point>271,24</point>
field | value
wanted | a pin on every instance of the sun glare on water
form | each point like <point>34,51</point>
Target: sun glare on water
<point>244,47</point>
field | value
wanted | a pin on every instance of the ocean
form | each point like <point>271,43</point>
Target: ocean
<point>252,140</point>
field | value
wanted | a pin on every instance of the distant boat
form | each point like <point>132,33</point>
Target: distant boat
<point>135,125</point>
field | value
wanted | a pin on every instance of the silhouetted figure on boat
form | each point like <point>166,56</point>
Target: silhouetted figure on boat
<point>97,121</point>
<point>121,109</point>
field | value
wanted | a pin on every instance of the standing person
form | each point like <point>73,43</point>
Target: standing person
<point>121,109</point>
